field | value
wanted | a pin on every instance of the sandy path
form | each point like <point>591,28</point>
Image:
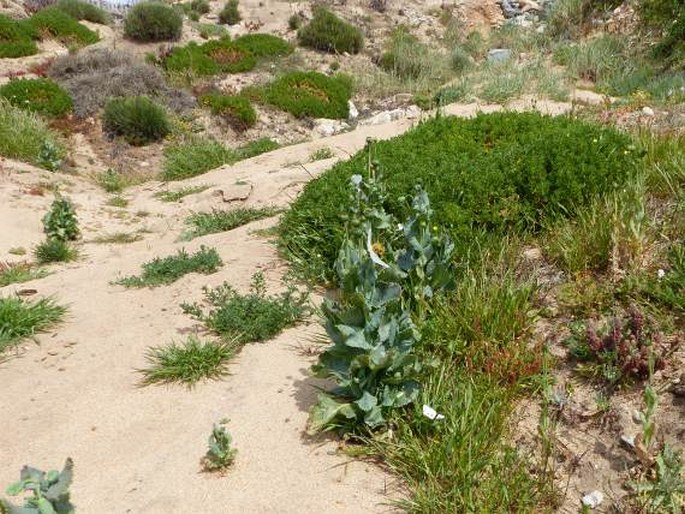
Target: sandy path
<point>137,450</point>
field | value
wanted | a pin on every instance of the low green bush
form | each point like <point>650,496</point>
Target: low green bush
<point>200,6</point>
<point>495,173</point>
<point>194,157</point>
<point>24,136</point>
<point>52,22</point>
<point>16,38</point>
<point>210,58</point>
<point>309,93</point>
<point>407,57</point>
<point>38,95</point>
<point>329,33</point>
<point>138,119</point>
<point>264,45</point>
<point>236,110</point>
<point>82,10</point>
<point>230,15</point>
<point>153,21</point>
<point>257,147</point>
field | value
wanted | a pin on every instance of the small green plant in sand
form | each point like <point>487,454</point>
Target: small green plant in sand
<point>188,362</point>
<point>220,455</point>
<point>48,493</point>
<point>166,270</point>
<point>20,318</point>
<point>118,201</point>
<point>55,250</point>
<point>321,154</point>
<point>251,317</point>
<point>194,157</point>
<point>118,238</point>
<point>203,223</point>
<point>18,273</point>
<point>60,222</point>
<point>257,147</point>
<point>179,194</point>
<point>111,181</point>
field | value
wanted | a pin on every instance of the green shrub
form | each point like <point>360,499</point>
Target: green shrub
<point>26,137</point>
<point>16,38</point>
<point>17,273</point>
<point>229,15</point>
<point>82,10</point>
<point>236,110</point>
<point>200,6</point>
<point>295,21</point>
<point>195,157</point>
<point>264,45</point>
<point>329,33</point>
<point>407,57</point>
<point>671,48</point>
<point>203,223</point>
<point>210,58</point>
<point>38,95</point>
<point>220,453</point>
<point>138,119</point>
<point>497,172</point>
<point>308,93</point>
<point>460,59</point>
<point>153,21</point>
<point>54,23</point>
<point>49,492</point>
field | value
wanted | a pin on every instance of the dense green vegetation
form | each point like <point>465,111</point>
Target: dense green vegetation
<point>210,58</point>
<point>42,96</point>
<point>153,21</point>
<point>82,10</point>
<point>329,33</point>
<point>137,119</point>
<point>236,110</point>
<point>16,38</point>
<point>55,23</point>
<point>495,173</point>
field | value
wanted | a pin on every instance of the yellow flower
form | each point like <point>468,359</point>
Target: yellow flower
<point>378,248</point>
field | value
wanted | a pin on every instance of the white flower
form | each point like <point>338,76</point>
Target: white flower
<point>660,273</point>
<point>431,413</point>
<point>400,226</point>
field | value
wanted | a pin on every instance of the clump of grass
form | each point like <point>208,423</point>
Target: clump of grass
<point>204,223</point>
<point>118,238</point>
<point>24,136</point>
<point>55,250</point>
<point>329,33</point>
<point>118,201</point>
<point>194,157</point>
<point>321,153</point>
<point>187,363</point>
<point>209,30</point>
<point>21,318</point>
<point>153,21</point>
<point>54,23</point>
<point>137,119</point>
<point>18,273</point>
<point>230,15</point>
<point>166,270</point>
<point>257,147</point>
<point>251,317</point>
<point>175,196</point>
<point>16,38</point>
<point>42,96</point>
<point>410,60</point>
<point>81,10</point>
<point>309,93</point>
<point>111,181</point>
<point>236,110</point>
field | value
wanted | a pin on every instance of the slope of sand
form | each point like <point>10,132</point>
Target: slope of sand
<point>137,449</point>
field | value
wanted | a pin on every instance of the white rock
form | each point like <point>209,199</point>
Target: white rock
<point>378,119</point>
<point>647,111</point>
<point>628,440</point>
<point>412,112</point>
<point>328,128</point>
<point>354,113</point>
<point>593,499</point>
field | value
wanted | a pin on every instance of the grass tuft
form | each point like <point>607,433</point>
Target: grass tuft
<point>21,318</point>
<point>187,363</point>
<point>55,250</point>
<point>203,223</point>
<point>18,273</point>
<point>166,270</point>
<point>179,194</point>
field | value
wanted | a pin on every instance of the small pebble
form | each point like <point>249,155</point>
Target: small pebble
<point>593,499</point>
<point>647,111</point>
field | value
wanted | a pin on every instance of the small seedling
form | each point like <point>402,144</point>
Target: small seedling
<point>321,153</point>
<point>219,454</point>
<point>60,222</point>
<point>49,491</point>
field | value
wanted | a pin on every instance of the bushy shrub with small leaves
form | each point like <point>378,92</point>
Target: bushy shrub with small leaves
<point>329,33</point>
<point>38,95</point>
<point>153,21</point>
<point>137,119</point>
<point>230,15</point>
<point>236,110</point>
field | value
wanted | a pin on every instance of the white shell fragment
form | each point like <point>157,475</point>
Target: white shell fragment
<point>431,413</point>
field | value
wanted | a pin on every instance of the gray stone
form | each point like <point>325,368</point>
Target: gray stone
<point>499,55</point>
<point>354,113</point>
<point>593,499</point>
<point>328,128</point>
<point>647,111</point>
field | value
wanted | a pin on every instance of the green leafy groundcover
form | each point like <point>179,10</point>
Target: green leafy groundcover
<point>211,58</point>
<point>309,93</point>
<point>38,95</point>
<point>495,172</point>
